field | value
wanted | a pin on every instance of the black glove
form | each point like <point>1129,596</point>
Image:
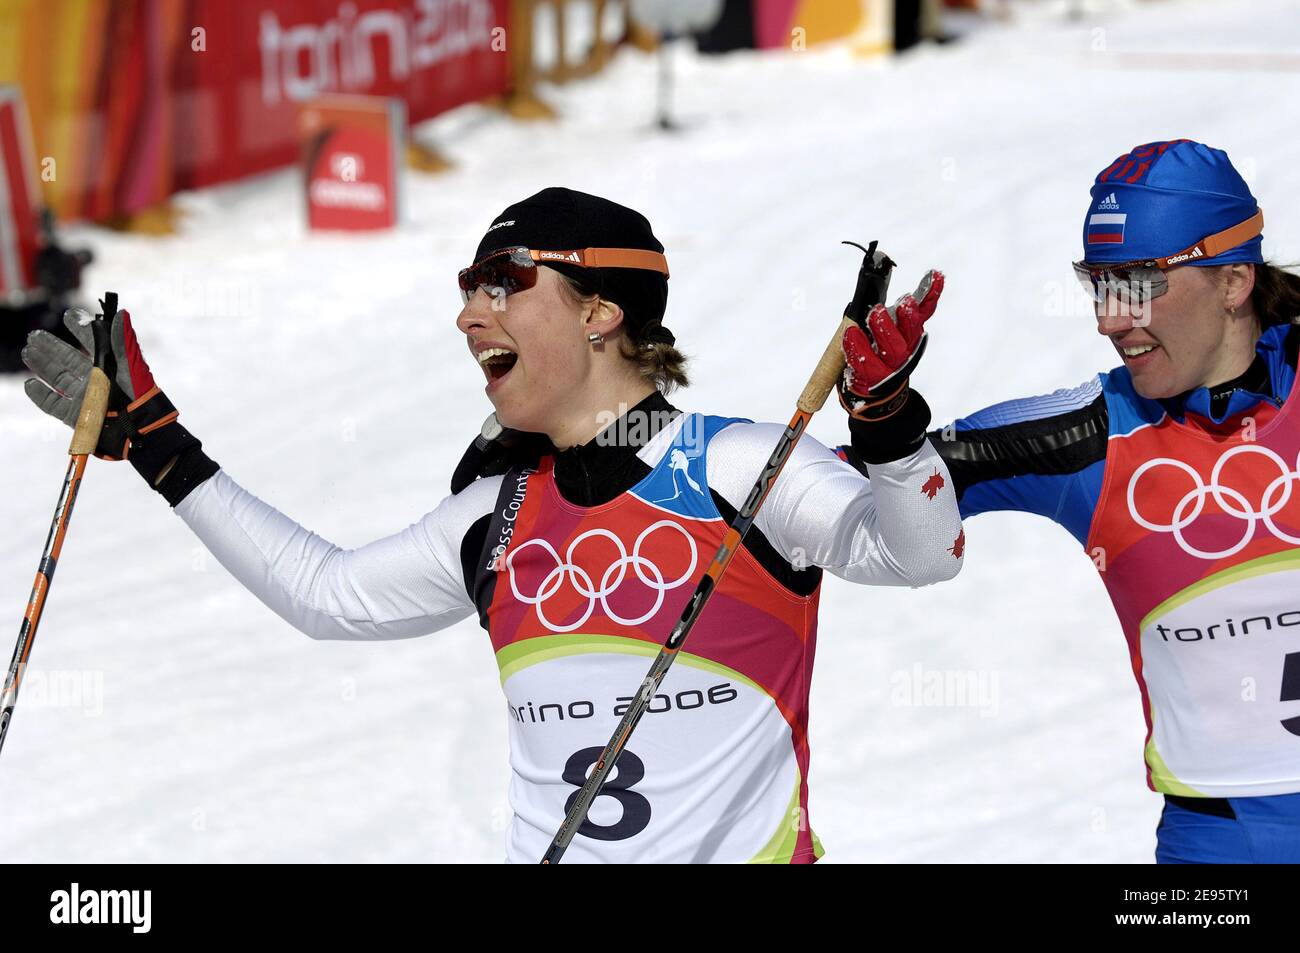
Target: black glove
<point>141,424</point>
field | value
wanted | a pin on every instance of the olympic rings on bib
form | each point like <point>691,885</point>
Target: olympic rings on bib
<point>581,579</point>
<point>1232,502</point>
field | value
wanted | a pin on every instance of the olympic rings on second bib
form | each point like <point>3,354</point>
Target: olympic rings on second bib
<point>1232,502</point>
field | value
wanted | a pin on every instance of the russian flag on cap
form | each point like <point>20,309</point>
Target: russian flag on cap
<point>1106,229</point>
<point>1106,225</point>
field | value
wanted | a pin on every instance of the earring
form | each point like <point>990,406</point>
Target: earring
<point>595,338</point>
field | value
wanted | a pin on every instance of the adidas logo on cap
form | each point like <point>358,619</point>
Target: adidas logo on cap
<point>1108,203</point>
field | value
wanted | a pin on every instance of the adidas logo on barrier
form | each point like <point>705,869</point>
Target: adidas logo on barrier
<point>1109,203</point>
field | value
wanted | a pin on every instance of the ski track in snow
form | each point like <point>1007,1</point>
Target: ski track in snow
<point>326,375</point>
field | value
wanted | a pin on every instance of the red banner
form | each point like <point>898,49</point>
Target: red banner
<point>134,99</point>
<point>265,58</point>
<point>18,223</point>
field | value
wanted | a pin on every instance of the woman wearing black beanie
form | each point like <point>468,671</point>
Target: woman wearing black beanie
<point>578,547</point>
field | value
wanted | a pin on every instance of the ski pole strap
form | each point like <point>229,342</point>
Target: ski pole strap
<point>94,402</point>
<point>890,438</point>
<point>143,415</point>
<point>172,444</point>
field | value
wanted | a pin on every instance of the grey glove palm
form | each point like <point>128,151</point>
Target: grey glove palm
<point>135,407</point>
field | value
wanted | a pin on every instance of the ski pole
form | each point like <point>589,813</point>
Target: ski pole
<point>873,283</point>
<point>85,436</point>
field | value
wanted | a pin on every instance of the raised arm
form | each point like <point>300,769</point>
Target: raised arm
<point>900,528</point>
<point>405,585</point>
<point>1042,455</point>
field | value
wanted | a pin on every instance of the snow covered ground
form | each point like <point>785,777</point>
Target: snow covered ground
<point>169,716</point>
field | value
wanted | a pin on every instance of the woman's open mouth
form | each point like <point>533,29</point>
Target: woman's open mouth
<point>497,363</point>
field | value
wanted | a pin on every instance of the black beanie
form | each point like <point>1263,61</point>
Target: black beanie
<point>558,219</point>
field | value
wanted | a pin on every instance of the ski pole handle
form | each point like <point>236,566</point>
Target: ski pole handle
<point>827,372</point>
<point>872,286</point>
<point>94,405</point>
<point>85,437</point>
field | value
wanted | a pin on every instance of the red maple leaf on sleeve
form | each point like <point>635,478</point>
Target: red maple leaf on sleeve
<point>959,545</point>
<point>933,485</point>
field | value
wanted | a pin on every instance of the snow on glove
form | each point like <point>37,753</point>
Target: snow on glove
<point>887,418</point>
<point>141,422</point>
<point>880,358</point>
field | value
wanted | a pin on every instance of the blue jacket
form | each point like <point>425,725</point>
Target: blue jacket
<point>1046,454</point>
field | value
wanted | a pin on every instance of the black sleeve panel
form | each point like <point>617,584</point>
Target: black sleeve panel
<point>1063,444</point>
<point>471,550</point>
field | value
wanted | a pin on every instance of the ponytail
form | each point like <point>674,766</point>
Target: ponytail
<point>1276,297</point>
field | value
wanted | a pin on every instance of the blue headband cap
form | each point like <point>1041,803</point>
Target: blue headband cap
<point>1162,197</point>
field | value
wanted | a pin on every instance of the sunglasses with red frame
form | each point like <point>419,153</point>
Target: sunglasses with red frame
<point>509,270</point>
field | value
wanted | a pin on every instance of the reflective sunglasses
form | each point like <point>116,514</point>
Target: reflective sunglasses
<point>514,269</point>
<point>1140,281</point>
